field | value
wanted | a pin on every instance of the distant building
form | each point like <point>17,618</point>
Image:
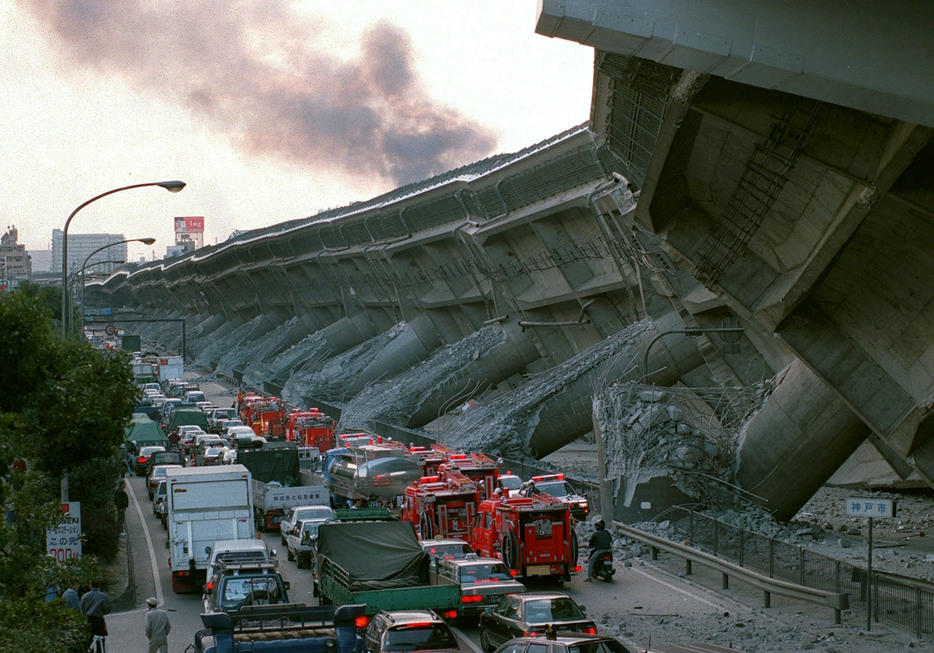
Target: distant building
<point>41,260</point>
<point>80,247</point>
<point>14,263</point>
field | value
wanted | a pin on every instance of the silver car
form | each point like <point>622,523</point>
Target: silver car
<point>484,582</point>
<point>301,513</point>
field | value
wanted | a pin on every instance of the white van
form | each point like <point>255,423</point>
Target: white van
<point>194,396</point>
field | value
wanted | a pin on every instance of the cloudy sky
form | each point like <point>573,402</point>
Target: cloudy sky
<point>269,110</point>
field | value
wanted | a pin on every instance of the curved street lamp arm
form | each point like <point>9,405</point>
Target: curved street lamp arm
<point>172,186</point>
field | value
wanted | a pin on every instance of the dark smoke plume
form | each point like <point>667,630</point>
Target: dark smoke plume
<point>252,71</point>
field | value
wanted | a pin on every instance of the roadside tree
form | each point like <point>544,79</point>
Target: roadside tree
<point>64,407</point>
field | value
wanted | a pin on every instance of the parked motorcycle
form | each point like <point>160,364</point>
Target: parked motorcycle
<point>603,567</point>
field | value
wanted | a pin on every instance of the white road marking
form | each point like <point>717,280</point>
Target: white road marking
<point>152,551</point>
<point>676,588</point>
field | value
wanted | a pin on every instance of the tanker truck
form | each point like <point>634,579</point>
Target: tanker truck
<point>374,473</point>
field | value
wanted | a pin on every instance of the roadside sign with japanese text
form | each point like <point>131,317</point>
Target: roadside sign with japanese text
<point>64,541</point>
<point>870,507</point>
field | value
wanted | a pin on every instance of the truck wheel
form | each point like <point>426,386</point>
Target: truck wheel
<point>288,554</point>
<point>511,551</point>
<point>573,553</point>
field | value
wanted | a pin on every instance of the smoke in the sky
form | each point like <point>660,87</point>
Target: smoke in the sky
<point>253,71</point>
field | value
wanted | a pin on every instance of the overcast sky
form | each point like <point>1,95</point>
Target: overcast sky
<point>270,111</point>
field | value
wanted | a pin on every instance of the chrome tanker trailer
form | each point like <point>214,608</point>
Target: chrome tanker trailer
<point>373,473</point>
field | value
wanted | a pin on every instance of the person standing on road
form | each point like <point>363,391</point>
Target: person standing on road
<point>121,501</point>
<point>157,627</point>
<point>95,604</point>
<point>71,596</point>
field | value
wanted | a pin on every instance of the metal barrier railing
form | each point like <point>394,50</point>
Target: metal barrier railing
<point>838,601</point>
<point>899,601</point>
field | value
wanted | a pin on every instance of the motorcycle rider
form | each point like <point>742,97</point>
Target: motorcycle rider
<point>599,542</point>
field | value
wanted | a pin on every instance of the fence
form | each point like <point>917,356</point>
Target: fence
<point>898,601</point>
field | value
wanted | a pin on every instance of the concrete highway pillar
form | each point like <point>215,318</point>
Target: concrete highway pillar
<point>417,340</point>
<point>515,353</point>
<point>347,332</point>
<point>799,438</point>
<point>291,335</point>
<point>211,324</point>
<point>568,414</point>
<point>268,322</point>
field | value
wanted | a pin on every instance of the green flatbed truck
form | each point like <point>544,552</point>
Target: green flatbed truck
<point>380,564</point>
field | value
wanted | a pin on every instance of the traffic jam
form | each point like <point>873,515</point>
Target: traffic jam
<point>403,543</point>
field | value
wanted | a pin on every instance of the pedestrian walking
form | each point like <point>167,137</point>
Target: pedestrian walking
<point>95,604</point>
<point>121,501</point>
<point>71,596</point>
<point>157,627</point>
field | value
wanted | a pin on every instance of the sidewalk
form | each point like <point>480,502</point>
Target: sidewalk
<point>119,575</point>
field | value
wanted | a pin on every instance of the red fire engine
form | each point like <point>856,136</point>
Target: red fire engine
<point>310,428</point>
<point>532,536</point>
<point>478,467</point>
<point>245,403</point>
<point>264,415</point>
<point>429,459</point>
<point>441,506</point>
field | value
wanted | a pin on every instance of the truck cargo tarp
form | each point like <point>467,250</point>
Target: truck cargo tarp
<point>375,554</point>
<point>271,464</point>
<point>187,417</point>
<point>144,430</point>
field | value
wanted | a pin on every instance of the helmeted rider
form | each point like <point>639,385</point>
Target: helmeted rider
<point>600,541</point>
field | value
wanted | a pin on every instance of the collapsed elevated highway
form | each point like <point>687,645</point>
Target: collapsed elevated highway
<point>716,275</point>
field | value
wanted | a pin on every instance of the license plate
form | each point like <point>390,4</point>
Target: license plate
<point>538,570</point>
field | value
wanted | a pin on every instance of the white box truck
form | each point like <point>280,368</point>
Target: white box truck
<point>170,367</point>
<point>205,505</point>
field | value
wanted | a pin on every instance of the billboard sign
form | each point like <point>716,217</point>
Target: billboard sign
<point>190,225</point>
<point>64,541</point>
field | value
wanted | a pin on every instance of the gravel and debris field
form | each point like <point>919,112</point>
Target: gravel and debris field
<point>903,545</point>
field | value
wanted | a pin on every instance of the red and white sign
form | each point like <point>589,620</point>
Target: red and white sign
<point>191,224</point>
<point>64,541</point>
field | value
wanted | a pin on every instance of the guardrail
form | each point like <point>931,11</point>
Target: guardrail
<point>839,601</point>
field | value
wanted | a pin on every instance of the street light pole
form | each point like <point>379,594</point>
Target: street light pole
<point>145,241</point>
<point>171,186</point>
<point>73,279</point>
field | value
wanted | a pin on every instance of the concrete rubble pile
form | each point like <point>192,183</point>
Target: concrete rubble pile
<point>329,382</point>
<point>221,350</point>
<point>309,353</point>
<point>395,400</point>
<point>255,362</point>
<point>503,424</point>
<point>689,435</point>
